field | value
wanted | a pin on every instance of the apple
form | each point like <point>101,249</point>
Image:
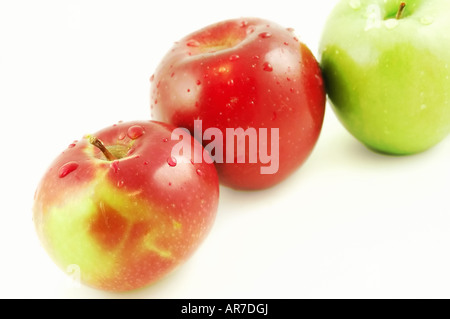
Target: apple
<point>244,74</point>
<point>122,209</point>
<point>386,65</point>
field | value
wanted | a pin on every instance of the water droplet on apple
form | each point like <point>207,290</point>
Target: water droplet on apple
<point>122,136</point>
<point>131,151</point>
<point>67,168</point>
<point>319,79</point>
<point>120,184</point>
<point>193,43</point>
<point>355,4</point>
<point>274,116</point>
<point>165,140</point>
<point>230,82</point>
<point>152,78</point>
<point>423,107</point>
<point>172,161</point>
<point>224,69</point>
<point>250,30</point>
<point>265,35</point>
<point>427,20</point>
<point>199,82</point>
<point>135,132</point>
<point>145,163</point>
<point>267,67</point>
<point>72,145</point>
<point>115,166</point>
<point>199,173</point>
<point>391,23</point>
<point>244,24</point>
<point>234,57</point>
<point>374,18</point>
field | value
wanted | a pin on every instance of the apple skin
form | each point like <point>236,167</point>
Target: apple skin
<point>388,80</point>
<point>238,74</point>
<point>129,222</point>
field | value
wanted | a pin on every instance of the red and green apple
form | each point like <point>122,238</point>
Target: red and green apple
<point>248,74</point>
<point>123,209</point>
<point>386,65</point>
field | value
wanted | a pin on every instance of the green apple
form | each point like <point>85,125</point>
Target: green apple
<point>386,65</point>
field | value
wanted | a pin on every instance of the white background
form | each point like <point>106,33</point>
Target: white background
<point>349,224</point>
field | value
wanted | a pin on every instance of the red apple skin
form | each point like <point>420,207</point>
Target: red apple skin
<point>244,73</point>
<point>125,223</point>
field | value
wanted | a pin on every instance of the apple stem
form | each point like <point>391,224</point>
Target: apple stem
<point>400,10</point>
<point>99,144</point>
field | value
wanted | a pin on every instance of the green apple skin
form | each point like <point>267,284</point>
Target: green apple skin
<point>388,79</point>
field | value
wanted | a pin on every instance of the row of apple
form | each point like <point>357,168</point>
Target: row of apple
<point>126,208</point>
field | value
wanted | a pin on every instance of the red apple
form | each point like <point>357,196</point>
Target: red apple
<point>118,206</point>
<point>245,73</point>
